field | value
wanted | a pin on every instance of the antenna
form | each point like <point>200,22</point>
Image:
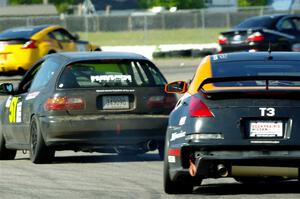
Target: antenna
<point>269,51</point>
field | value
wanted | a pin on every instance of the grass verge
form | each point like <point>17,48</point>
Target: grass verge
<point>154,37</point>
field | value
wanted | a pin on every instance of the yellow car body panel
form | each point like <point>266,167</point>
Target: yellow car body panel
<point>13,55</point>
<point>203,71</point>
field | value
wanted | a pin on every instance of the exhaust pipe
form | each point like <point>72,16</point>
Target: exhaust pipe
<point>151,145</point>
<point>222,170</point>
<point>192,169</point>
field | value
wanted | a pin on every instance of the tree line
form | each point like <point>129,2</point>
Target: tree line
<point>62,6</point>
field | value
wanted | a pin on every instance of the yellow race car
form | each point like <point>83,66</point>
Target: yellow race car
<point>21,47</point>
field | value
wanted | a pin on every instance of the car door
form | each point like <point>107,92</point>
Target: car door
<point>16,109</point>
<point>22,105</point>
<point>35,94</point>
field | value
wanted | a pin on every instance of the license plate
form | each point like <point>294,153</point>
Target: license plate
<point>266,129</point>
<point>115,102</point>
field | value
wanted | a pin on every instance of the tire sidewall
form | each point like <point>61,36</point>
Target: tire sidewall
<point>32,152</point>
<point>41,153</point>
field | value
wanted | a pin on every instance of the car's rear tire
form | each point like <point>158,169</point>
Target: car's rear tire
<point>39,152</point>
<point>51,52</point>
<point>6,154</point>
<point>175,187</point>
<point>161,150</point>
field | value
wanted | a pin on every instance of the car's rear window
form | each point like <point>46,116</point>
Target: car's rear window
<point>111,73</point>
<point>17,33</point>
<point>257,22</point>
<point>257,68</point>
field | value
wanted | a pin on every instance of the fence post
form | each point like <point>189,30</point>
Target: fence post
<point>86,25</point>
<point>195,20</point>
<point>62,18</point>
<point>129,23</point>
<point>261,11</point>
<point>145,29</point>
<point>202,18</point>
<point>228,24</point>
<point>28,21</point>
<point>96,22</point>
<point>163,21</point>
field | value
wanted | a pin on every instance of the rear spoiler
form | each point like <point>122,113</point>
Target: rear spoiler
<point>15,39</point>
<point>262,88</point>
<point>242,30</point>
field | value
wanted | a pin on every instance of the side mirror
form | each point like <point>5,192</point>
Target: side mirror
<point>6,88</point>
<point>176,87</point>
<point>76,36</point>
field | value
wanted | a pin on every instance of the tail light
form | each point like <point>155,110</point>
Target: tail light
<point>255,37</point>
<point>29,44</point>
<point>198,108</point>
<point>222,39</point>
<point>64,103</point>
<point>162,101</point>
<point>174,152</point>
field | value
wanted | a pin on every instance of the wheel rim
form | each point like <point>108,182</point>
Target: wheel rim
<point>33,138</point>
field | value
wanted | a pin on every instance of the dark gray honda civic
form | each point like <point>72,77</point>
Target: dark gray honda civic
<point>92,101</point>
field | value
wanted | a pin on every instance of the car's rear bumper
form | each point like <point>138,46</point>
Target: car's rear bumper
<point>237,163</point>
<point>22,59</point>
<point>69,132</point>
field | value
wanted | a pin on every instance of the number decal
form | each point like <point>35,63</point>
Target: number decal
<point>267,112</point>
<point>13,109</point>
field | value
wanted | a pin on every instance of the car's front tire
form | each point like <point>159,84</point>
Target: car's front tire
<point>39,152</point>
<point>6,154</point>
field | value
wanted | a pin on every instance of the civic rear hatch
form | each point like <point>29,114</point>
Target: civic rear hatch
<point>117,87</point>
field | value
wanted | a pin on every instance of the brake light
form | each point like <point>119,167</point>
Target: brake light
<point>222,40</point>
<point>29,44</point>
<point>174,152</point>
<point>162,101</point>
<point>255,37</point>
<point>198,108</point>
<point>64,103</point>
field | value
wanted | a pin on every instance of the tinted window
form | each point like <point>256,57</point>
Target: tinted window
<point>296,22</point>
<point>158,78</point>
<point>256,68</point>
<point>112,73</point>
<point>22,32</point>
<point>286,25</point>
<point>61,35</point>
<point>44,74</point>
<point>258,22</point>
